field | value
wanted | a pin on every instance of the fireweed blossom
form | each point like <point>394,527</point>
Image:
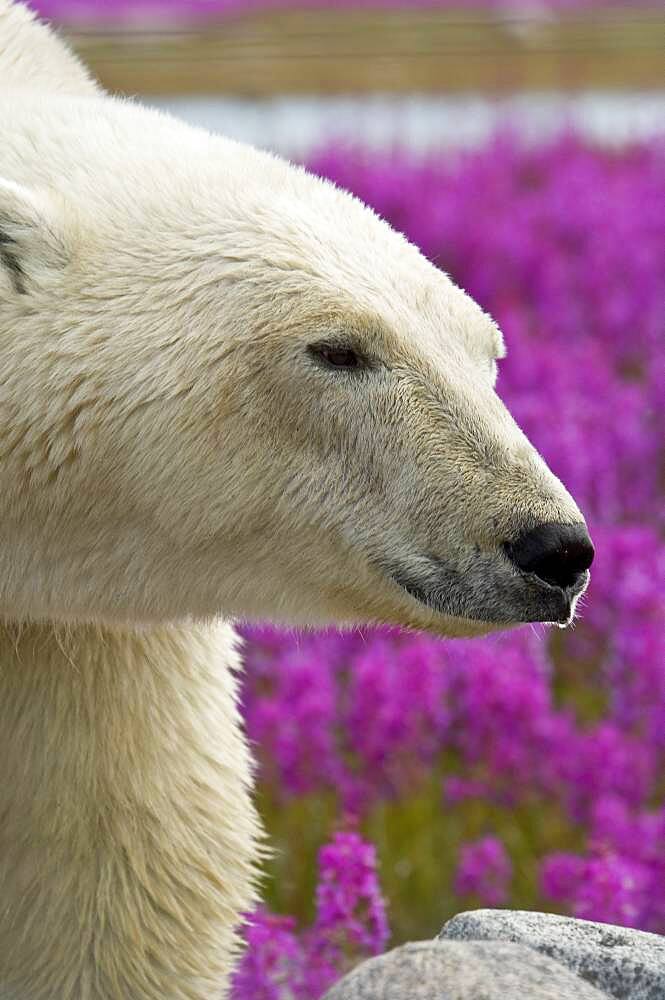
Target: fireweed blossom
<point>350,924</point>
<point>564,244</point>
<point>484,871</point>
<point>349,904</point>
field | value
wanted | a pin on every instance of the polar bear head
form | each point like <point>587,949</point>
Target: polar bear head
<point>230,388</point>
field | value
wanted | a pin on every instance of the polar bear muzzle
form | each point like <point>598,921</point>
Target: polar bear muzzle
<point>539,576</point>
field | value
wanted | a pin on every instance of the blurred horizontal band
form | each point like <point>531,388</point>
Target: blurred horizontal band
<point>341,51</point>
<point>299,126</point>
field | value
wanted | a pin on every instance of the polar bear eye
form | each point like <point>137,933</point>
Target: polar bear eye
<point>334,356</point>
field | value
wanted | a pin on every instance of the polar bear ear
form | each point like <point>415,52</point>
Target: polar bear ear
<point>31,236</point>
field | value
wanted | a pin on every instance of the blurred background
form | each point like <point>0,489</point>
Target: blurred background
<point>521,145</point>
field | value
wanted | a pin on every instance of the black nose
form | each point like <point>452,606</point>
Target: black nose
<point>557,553</point>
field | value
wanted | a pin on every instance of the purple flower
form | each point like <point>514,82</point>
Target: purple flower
<point>349,905</point>
<point>560,875</point>
<point>272,966</point>
<point>613,889</point>
<point>284,963</point>
<point>484,870</point>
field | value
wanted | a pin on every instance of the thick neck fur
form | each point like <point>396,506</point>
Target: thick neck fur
<point>129,778</point>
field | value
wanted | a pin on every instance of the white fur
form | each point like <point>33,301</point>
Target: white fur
<point>172,453</point>
<point>33,57</point>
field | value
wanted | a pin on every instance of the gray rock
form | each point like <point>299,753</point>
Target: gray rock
<point>625,964</point>
<point>463,970</point>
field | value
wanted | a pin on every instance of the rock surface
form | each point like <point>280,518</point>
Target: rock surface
<point>463,970</point>
<point>626,964</point>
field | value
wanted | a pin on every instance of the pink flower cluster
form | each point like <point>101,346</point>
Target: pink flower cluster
<point>350,923</point>
<point>565,245</point>
<point>484,870</point>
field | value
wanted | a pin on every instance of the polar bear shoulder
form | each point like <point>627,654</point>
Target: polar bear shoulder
<point>33,57</point>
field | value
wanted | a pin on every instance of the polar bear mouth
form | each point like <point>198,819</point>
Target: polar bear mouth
<point>493,592</point>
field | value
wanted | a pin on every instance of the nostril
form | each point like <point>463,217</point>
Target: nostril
<point>557,553</point>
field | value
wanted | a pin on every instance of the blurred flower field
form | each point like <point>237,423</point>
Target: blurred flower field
<point>139,10</point>
<point>420,777</point>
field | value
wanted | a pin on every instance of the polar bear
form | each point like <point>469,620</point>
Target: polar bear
<point>227,389</point>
